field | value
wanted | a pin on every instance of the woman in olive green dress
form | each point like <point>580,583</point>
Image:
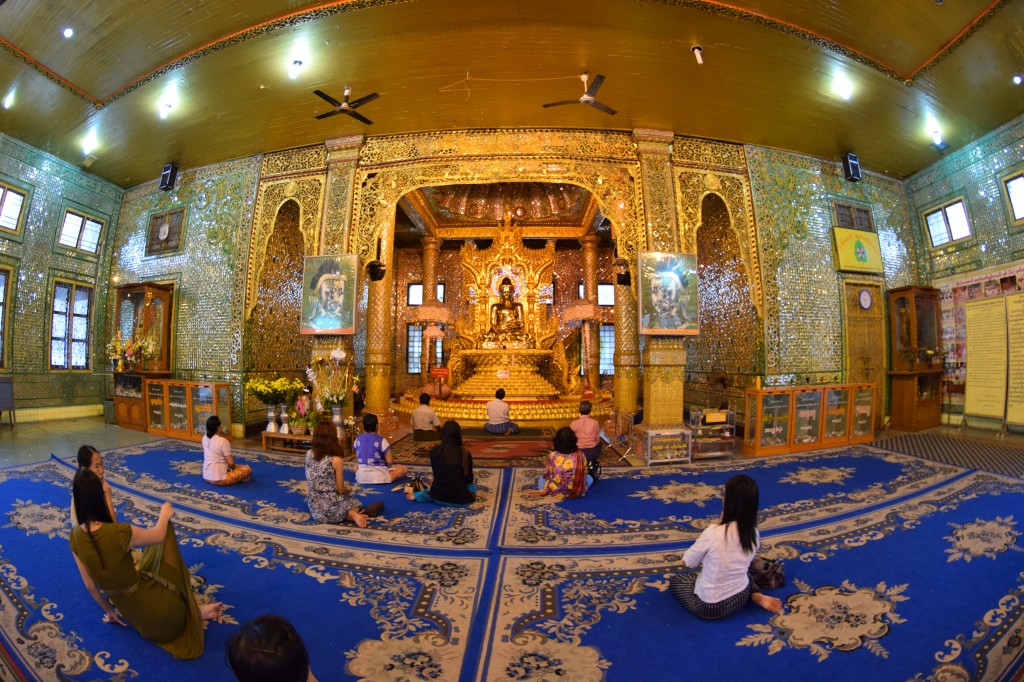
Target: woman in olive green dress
<point>155,598</point>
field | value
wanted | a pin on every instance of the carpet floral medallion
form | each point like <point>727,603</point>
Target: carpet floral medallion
<point>898,568</point>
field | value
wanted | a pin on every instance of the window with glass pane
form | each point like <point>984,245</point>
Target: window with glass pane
<point>11,203</point>
<point>414,348</point>
<point>948,223</point>
<point>607,348</point>
<point>1015,191</point>
<point>69,326</point>
<point>415,296</point>
<point>440,291</point>
<point>5,277</point>
<point>80,232</point>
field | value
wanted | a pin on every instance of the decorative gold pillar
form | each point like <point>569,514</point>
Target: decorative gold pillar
<point>342,157</point>
<point>431,260</point>
<point>589,243</point>
<point>380,330</point>
<point>627,350</point>
<point>654,149</point>
<point>664,377</point>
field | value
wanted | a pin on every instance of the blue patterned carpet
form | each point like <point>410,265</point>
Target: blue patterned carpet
<point>898,567</point>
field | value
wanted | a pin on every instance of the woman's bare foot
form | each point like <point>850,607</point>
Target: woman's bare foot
<point>410,497</point>
<point>211,611</point>
<point>358,518</point>
<point>767,603</point>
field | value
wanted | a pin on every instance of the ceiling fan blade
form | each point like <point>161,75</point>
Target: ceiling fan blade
<point>324,95</point>
<point>359,117</point>
<point>595,86</point>
<point>602,107</point>
<point>558,104</point>
<point>363,100</point>
<point>329,113</point>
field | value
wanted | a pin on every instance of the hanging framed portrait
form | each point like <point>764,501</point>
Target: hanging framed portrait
<point>328,294</point>
<point>667,293</point>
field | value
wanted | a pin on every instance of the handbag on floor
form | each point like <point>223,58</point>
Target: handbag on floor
<point>594,469</point>
<point>767,574</point>
<point>415,484</point>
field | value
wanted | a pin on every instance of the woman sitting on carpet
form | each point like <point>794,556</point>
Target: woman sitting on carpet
<point>219,466</point>
<point>452,467</point>
<point>156,599</point>
<point>565,475</point>
<point>722,587</point>
<point>373,456</point>
<point>330,498</point>
<point>90,458</point>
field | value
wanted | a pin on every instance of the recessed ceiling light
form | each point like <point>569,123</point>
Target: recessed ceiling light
<point>1017,79</point>
<point>842,86</point>
<point>165,109</point>
<point>295,68</point>
<point>9,100</point>
<point>68,32</point>
<point>90,142</point>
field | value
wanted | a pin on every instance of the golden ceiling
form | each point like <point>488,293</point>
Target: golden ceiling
<point>766,79</point>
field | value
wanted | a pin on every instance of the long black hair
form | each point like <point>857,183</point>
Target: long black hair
<point>451,442</point>
<point>740,506</point>
<point>90,504</point>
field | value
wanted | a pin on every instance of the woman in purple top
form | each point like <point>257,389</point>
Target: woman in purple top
<point>373,456</point>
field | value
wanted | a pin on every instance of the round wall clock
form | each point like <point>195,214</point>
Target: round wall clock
<point>864,298</point>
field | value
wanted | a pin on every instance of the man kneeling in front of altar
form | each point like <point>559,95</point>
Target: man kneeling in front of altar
<point>498,415</point>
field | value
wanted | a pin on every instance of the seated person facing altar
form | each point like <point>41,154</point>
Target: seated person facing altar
<point>507,319</point>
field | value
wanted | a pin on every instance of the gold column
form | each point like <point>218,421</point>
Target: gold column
<point>664,377</point>
<point>342,158</point>
<point>431,260</point>
<point>380,330</point>
<point>589,243</point>
<point>627,350</point>
<point>654,149</point>
<point>664,356</point>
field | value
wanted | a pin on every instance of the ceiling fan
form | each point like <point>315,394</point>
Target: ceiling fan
<point>346,107</point>
<point>588,95</point>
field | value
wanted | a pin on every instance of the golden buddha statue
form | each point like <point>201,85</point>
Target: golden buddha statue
<point>507,319</point>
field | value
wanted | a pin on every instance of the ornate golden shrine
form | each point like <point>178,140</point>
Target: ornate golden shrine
<point>507,339</point>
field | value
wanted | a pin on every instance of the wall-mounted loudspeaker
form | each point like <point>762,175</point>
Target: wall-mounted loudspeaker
<point>168,177</point>
<point>376,270</point>
<point>623,278</point>
<point>851,167</point>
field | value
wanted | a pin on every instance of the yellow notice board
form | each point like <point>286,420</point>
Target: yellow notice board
<point>986,358</point>
<point>1015,387</point>
<point>857,250</point>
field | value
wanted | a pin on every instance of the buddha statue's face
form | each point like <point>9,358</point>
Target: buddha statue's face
<point>666,293</point>
<point>507,292</point>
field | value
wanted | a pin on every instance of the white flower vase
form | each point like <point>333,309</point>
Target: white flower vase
<point>337,419</point>
<point>271,419</point>
<point>284,419</point>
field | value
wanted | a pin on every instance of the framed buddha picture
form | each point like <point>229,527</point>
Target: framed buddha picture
<point>667,293</point>
<point>328,294</point>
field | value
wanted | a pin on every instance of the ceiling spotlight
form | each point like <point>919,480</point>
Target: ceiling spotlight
<point>165,109</point>
<point>1017,79</point>
<point>68,32</point>
<point>9,100</point>
<point>698,53</point>
<point>295,68</point>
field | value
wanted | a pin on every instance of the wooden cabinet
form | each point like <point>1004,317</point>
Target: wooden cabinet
<point>129,400</point>
<point>916,361</point>
<point>144,313</point>
<point>179,409</point>
<point>791,419</point>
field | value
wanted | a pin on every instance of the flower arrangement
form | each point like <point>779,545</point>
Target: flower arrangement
<point>149,346</point>
<point>115,349</point>
<point>334,378</point>
<point>279,390</point>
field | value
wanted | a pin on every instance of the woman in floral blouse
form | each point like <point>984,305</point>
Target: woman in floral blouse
<point>566,473</point>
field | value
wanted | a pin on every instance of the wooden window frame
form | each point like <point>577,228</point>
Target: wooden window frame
<point>68,337</point>
<point>78,242</point>
<point>942,207</point>
<point>1016,173</point>
<point>6,189</point>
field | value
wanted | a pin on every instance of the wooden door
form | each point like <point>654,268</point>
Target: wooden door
<point>865,340</point>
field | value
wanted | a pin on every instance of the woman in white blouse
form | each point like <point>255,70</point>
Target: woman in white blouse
<point>724,551</point>
<point>219,467</point>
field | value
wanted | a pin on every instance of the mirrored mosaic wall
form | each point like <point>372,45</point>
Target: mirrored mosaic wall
<point>973,173</point>
<point>792,197</point>
<point>36,260</point>
<point>207,271</point>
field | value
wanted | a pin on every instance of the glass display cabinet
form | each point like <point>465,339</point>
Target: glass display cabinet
<point>143,315</point>
<point>916,362</point>
<point>791,419</point>
<point>179,409</point>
